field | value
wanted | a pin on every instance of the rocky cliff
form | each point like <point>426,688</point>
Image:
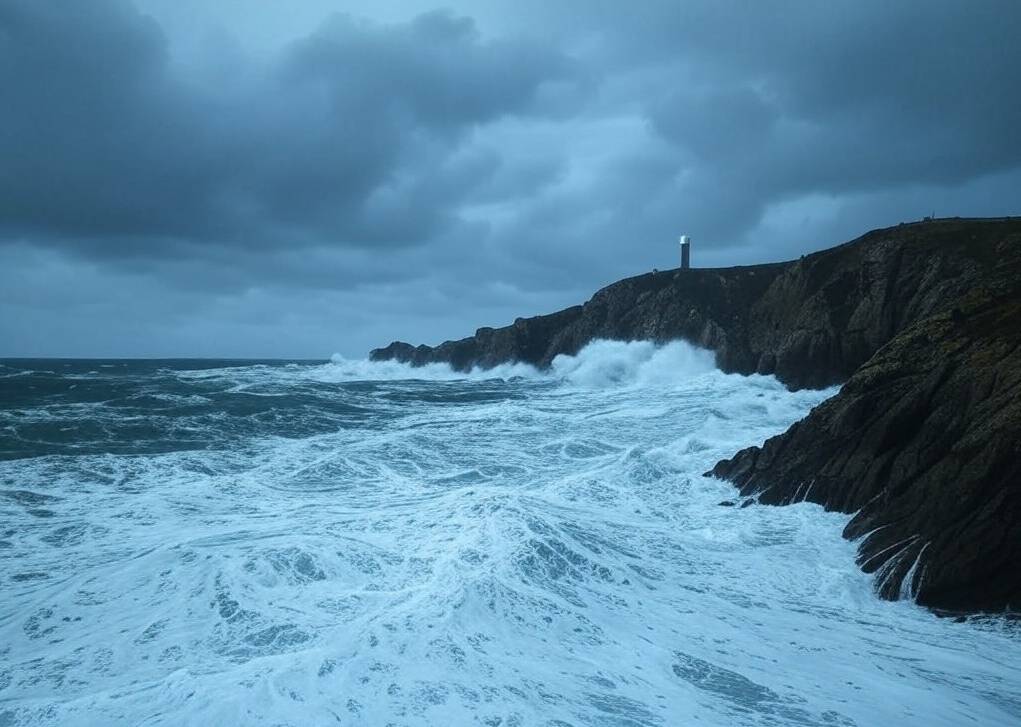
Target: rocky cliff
<point>922,443</point>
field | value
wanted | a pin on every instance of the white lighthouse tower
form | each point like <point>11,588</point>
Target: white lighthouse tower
<point>685,252</point>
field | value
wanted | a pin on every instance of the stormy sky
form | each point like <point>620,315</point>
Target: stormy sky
<point>259,179</point>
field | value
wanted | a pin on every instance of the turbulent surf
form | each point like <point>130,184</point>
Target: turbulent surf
<point>196,542</point>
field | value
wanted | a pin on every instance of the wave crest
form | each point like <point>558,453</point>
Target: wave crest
<point>599,364</point>
<point>634,363</point>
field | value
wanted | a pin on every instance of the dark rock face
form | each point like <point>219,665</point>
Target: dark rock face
<point>811,322</point>
<point>923,442</point>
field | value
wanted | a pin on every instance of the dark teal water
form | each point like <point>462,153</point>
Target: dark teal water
<point>343,542</point>
<point>56,406</point>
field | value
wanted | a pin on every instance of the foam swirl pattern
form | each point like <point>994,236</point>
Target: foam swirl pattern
<point>364,543</point>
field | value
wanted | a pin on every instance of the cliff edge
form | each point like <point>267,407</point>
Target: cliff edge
<point>922,443</point>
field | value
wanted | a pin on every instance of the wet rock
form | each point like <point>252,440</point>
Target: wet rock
<point>923,446</point>
<point>923,442</point>
<point>810,322</point>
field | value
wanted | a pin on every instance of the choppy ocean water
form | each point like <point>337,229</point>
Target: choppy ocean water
<point>218,543</point>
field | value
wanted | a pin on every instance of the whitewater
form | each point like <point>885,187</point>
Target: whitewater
<point>359,543</point>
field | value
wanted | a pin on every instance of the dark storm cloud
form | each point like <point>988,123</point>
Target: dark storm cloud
<point>843,97</point>
<point>345,139</point>
<point>417,175</point>
<point>767,101</point>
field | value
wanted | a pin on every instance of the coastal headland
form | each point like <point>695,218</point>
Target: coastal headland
<point>921,325</point>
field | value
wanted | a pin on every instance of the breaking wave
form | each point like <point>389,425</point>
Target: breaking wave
<point>368,543</point>
<point>599,364</point>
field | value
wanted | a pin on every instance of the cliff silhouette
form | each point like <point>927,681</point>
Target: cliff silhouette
<point>920,322</point>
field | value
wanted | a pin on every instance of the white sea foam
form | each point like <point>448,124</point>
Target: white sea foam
<point>342,369</point>
<point>598,365</point>
<point>497,548</point>
<point>639,363</point>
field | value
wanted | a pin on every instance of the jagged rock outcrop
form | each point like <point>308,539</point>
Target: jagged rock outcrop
<point>812,322</point>
<point>922,443</point>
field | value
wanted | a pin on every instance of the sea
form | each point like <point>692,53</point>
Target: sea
<point>345,542</point>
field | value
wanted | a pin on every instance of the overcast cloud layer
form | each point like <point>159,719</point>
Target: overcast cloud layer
<point>240,178</point>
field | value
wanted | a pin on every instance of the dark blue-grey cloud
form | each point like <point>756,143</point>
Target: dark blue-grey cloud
<point>415,170</point>
<point>344,140</point>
